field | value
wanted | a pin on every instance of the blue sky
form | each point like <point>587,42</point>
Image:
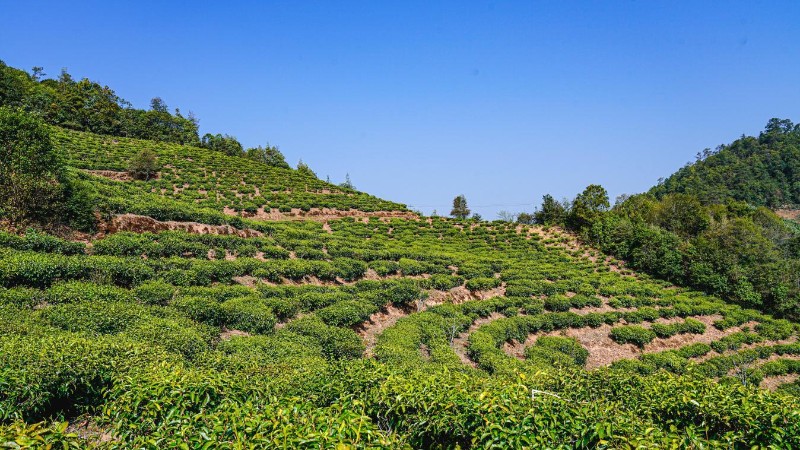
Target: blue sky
<point>421,101</point>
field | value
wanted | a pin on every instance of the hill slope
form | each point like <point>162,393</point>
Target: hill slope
<point>196,182</point>
<point>199,318</point>
<point>762,171</point>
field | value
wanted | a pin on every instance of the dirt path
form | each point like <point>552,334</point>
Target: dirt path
<point>142,224</point>
<point>460,342</point>
<point>772,383</point>
<point>377,323</point>
<point>603,350</point>
<point>318,214</point>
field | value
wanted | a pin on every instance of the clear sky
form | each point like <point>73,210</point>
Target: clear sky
<point>421,101</point>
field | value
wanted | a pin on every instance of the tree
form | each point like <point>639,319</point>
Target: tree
<point>526,218</point>
<point>588,206</point>
<point>551,212</point>
<point>460,209</point>
<point>506,216</point>
<point>477,217</point>
<point>32,174</point>
<point>144,165</point>
<point>157,104</point>
<point>222,143</point>
<point>347,183</point>
<point>269,155</point>
<point>304,169</point>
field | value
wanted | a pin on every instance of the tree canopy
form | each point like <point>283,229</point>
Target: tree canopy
<point>86,105</point>
<point>762,171</point>
<point>460,209</point>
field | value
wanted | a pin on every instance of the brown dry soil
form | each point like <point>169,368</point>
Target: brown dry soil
<point>143,224</point>
<point>604,351</point>
<point>389,315</point>
<point>318,214</point>
<point>790,214</point>
<point>772,383</point>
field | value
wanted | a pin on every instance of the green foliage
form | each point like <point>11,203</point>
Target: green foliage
<point>346,313</point>
<point>460,209</point>
<point>154,292</point>
<point>482,284</point>
<point>551,349</point>
<point>689,326</point>
<point>269,155</point>
<point>144,165</point>
<point>632,334</point>
<point>89,106</point>
<point>219,143</point>
<point>588,206</point>
<point>250,314</point>
<point>757,170</point>
<point>32,173</point>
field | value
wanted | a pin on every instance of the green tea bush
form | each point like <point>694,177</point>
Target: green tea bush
<point>688,326</point>
<point>557,303</point>
<point>550,348</point>
<point>93,317</point>
<point>384,268</point>
<point>41,242</point>
<point>482,284</point>
<point>632,334</point>
<point>445,282</point>
<point>154,292</point>
<point>176,336</point>
<point>346,313</point>
<point>200,309</point>
<point>337,343</point>
<point>21,296</point>
<point>250,314</point>
<point>81,291</point>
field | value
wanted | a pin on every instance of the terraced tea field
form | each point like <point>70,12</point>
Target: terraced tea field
<point>200,182</point>
<point>194,318</point>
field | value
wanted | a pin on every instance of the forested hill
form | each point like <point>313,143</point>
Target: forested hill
<point>762,171</point>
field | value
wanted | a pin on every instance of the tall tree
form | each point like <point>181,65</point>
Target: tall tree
<point>551,212</point>
<point>347,183</point>
<point>460,209</point>
<point>269,155</point>
<point>32,174</point>
<point>588,206</point>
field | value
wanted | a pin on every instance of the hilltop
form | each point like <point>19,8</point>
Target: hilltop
<point>760,170</point>
<point>224,303</point>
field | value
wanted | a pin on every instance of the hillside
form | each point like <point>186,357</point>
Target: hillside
<point>131,336</point>
<point>196,181</point>
<point>226,303</point>
<point>762,171</point>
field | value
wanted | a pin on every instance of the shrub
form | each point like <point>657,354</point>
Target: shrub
<point>445,282</point>
<point>95,318</point>
<point>155,292</point>
<point>177,336</point>
<point>144,165</point>
<point>336,343</point>
<point>249,314</point>
<point>546,345</point>
<point>482,284</point>
<point>557,303</point>
<point>632,334</point>
<point>81,291</point>
<point>346,313</point>
<point>32,172</point>
<point>200,309</point>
